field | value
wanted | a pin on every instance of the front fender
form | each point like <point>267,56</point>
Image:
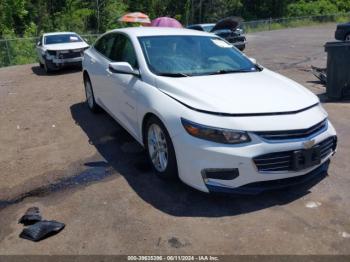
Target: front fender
<point>168,110</point>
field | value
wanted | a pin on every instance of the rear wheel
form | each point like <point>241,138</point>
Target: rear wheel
<point>160,149</point>
<point>90,98</point>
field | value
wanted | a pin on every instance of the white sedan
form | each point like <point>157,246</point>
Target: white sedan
<point>206,113</point>
<point>58,49</point>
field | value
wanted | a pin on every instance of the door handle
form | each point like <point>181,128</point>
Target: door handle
<point>92,61</point>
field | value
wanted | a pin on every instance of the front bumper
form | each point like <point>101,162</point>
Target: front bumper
<point>255,188</point>
<point>59,61</point>
<point>195,155</point>
<point>55,63</point>
<point>240,45</point>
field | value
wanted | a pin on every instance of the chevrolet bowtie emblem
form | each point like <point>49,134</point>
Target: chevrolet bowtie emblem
<point>309,144</point>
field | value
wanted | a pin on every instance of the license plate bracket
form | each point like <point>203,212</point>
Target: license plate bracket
<point>306,158</point>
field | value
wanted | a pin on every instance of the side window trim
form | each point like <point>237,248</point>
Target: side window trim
<point>132,45</point>
<point>116,34</point>
<point>94,45</point>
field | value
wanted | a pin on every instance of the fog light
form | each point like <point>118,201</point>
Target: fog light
<point>220,173</point>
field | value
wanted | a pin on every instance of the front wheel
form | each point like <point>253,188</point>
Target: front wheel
<point>160,149</point>
<point>90,98</point>
<point>47,66</point>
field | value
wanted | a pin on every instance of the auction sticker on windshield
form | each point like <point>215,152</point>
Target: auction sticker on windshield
<point>221,43</point>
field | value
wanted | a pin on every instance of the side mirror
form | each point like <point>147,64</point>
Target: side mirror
<point>86,40</point>
<point>123,68</point>
<point>253,60</point>
<point>38,43</point>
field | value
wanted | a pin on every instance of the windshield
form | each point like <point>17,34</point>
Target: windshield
<point>208,28</point>
<point>193,55</point>
<point>61,39</point>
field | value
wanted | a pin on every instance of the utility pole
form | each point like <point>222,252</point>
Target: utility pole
<point>200,11</point>
<point>99,3</point>
<point>192,11</point>
<point>98,16</point>
<point>196,5</point>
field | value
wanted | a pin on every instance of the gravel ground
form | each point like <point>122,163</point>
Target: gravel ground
<point>86,171</point>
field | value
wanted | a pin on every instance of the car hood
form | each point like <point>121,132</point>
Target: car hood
<point>66,46</point>
<point>239,93</point>
<point>229,23</point>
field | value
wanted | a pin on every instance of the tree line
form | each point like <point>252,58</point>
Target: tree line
<point>24,18</point>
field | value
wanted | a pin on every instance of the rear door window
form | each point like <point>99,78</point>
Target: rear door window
<point>104,44</point>
<point>123,51</point>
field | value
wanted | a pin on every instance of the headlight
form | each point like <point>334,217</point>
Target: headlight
<point>51,52</point>
<point>218,135</point>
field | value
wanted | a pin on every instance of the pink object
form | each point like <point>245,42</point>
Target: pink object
<point>166,22</point>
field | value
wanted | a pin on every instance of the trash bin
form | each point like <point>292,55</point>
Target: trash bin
<point>338,69</point>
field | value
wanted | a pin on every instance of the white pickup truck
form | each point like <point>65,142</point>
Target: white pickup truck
<point>56,50</point>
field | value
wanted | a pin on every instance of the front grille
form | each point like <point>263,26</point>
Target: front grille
<point>328,146</point>
<point>51,52</point>
<point>283,161</point>
<point>293,134</point>
<point>236,39</point>
<point>70,54</point>
<point>225,34</point>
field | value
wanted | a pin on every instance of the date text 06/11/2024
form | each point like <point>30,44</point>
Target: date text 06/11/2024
<point>173,258</point>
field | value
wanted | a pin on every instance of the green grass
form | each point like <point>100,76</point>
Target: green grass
<point>276,24</point>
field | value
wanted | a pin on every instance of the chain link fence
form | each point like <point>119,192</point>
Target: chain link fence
<point>19,51</point>
<point>280,23</point>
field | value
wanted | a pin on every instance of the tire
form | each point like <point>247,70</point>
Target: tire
<point>47,68</point>
<point>163,162</point>
<point>90,97</point>
<point>347,38</point>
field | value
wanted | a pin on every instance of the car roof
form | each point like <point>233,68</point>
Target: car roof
<point>58,33</point>
<point>159,31</point>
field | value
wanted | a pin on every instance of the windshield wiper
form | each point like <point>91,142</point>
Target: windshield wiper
<point>221,72</point>
<point>259,67</point>
<point>173,74</point>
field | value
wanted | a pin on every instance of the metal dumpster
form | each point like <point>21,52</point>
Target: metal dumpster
<point>338,69</point>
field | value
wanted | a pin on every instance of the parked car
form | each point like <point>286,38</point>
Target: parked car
<point>343,32</point>
<point>56,50</point>
<point>228,28</point>
<point>205,112</point>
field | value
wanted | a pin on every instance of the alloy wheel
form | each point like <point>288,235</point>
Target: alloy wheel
<point>157,147</point>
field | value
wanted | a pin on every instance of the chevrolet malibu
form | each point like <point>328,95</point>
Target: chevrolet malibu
<point>206,113</point>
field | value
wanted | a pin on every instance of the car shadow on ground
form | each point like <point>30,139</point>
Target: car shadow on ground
<point>325,99</point>
<point>63,71</point>
<point>127,157</point>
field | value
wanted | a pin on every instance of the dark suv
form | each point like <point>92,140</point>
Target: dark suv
<point>343,32</point>
<point>227,28</point>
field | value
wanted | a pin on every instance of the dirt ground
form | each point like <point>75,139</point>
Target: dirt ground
<point>86,171</point>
